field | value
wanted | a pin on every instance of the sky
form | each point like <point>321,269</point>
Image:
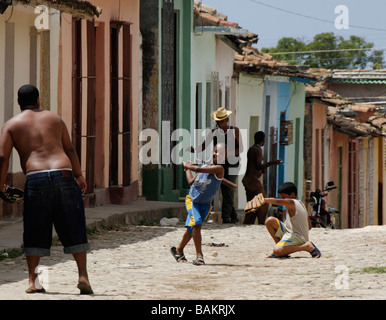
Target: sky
<point>274,19</point>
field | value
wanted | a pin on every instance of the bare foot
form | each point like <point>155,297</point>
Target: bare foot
<point>85,288</point>
<point>32,289</point>
<point>34,285</point>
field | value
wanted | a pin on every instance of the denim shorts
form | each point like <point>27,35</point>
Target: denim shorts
<point>53,198</point>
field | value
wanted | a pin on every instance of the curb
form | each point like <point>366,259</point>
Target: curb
<point>139,211</point>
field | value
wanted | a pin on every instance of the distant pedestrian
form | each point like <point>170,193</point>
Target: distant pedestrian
<point>54,185</point>
<point>251,180</point>
<point>204,186</point>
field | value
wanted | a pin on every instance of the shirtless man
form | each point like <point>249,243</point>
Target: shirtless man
<point>54,185</point>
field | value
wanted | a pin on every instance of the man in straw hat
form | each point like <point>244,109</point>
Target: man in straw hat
<point>230,136</point>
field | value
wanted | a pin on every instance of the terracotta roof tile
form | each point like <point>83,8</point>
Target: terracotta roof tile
<point>364,107</point>
<point>207,16</point>
<point>229,24</point>
<point>208,19</point>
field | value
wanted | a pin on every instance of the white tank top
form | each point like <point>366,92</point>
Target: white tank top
<point>298,224</point>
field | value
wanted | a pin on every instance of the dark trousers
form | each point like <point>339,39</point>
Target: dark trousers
<point>260,213</point>
<point>53,198</point>
<point>228,212</point>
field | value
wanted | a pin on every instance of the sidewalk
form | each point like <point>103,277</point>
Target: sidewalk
<point>139,211</point>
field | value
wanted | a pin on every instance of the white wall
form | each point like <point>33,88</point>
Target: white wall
<point>224,66</point>
<point>209,54</point>
<point>203,63</point>
<point>23,18</point>
<point>249,104</point>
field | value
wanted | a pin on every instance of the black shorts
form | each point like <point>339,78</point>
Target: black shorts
<point>53,198</point>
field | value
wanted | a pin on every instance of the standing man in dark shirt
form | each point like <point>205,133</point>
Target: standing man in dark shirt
<point>251,182</point>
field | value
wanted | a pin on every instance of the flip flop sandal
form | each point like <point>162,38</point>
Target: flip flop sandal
<point>176,255</point>
<point>41,290</point>
<point>279,257</point>
<point>199,262</point>
<point>316,252</point>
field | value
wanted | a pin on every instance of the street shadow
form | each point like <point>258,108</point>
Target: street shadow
<point>74,295</point>
<point>111,238</point>
<point>99,240</point>
<point>229,265</point>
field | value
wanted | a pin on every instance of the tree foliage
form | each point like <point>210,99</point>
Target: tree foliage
<point>343,53</point>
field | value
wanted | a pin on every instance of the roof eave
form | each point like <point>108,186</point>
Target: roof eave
<point>78,9</point>
<point>221,30</point>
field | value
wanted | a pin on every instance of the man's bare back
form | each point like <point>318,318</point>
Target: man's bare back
<point>39,136</point>
<point>42,140</point>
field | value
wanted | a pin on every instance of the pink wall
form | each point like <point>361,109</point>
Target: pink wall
<point>115,10</point>
<point>319,122</point>
<point>338,140</point>
<point>319,149</point>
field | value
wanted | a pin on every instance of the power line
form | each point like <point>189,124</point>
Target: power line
<point>322,51</point>
<point>313,18</point>
<point>317,59</point>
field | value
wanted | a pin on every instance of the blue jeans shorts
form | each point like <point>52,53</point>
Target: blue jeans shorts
<point>53,198</point>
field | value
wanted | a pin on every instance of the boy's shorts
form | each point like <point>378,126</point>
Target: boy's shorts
<point>53,198</point>
<point>197,213</point>
<point>286,238</point>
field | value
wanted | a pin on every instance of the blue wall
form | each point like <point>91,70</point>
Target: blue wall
<point>283,100</point>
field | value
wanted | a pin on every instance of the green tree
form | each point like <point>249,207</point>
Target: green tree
<point>289,45</point>
<point>352,53</point>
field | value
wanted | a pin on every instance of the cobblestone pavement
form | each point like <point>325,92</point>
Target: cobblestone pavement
<point>134,262</point>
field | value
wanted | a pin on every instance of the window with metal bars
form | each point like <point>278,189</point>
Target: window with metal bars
<point>83,97</point>
<point>120,103</point>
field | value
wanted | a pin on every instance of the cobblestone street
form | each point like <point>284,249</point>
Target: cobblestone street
<point>134,262</point>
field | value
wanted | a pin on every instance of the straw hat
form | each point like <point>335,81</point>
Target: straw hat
<point>220,114</point>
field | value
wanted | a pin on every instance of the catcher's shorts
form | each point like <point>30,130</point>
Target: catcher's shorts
<point>197,213</point>
<point>53,198</point>
<point>286,238</point>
